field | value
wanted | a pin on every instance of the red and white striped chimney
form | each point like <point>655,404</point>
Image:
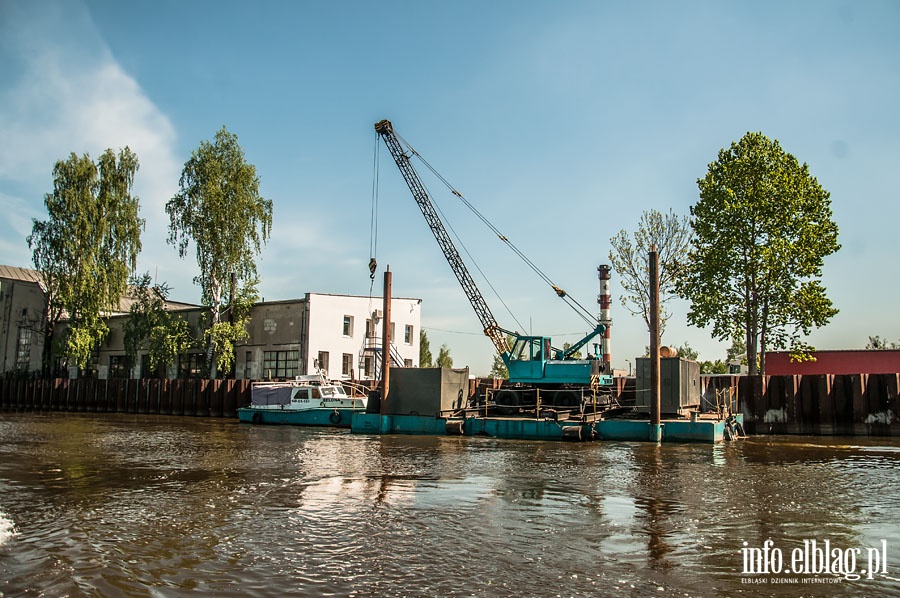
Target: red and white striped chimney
<point>605,301</point>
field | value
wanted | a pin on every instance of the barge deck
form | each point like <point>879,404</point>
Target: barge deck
<point>696,429</point>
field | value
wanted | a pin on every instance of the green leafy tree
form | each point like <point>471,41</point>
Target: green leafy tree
<point>713,367</point>
<point>631,261</point>
<point>226,334</point>
<point>876,343</point>
<point>498,368</point>
<point>566,346</point>
<point>737,352</point>
<point>220,210</point>
<point>443,359</point>
<point>762,228</point>
<point>686,351</point>
<point>425,358</point>
<point>152,327</point>
<point>86,249</point>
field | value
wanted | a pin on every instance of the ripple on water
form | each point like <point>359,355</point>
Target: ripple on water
<point>167,506</point>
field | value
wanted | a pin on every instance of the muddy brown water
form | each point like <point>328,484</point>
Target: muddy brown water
<point>158,506</point>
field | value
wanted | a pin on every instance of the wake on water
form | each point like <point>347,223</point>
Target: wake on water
<point>7,529</point>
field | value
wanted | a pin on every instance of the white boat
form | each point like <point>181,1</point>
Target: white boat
<point>309,400</point>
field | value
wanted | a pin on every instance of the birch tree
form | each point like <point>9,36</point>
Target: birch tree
<point>219,209</point>
<point>152,327</point>
<point>670,234</point>
<point>86,249</point>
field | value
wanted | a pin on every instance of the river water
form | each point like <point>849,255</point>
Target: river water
<point>128,505</point>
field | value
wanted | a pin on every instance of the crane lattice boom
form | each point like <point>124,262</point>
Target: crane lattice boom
<point>491,329</point>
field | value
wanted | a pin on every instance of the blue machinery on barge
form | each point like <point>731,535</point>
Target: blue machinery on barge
<point>426,407</point>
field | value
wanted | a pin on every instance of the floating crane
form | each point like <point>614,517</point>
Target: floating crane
<point>531,361</point>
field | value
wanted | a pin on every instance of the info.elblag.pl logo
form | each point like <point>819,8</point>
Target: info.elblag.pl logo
<point>816,559</point>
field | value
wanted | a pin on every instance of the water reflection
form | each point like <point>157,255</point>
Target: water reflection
<point>654,510</point>
<point>136,505</point>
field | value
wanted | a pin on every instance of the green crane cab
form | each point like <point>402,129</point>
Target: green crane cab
<point>533,360</point>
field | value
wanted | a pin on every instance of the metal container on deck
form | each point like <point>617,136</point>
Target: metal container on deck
<point>679,381</point>
<point>426,391</point>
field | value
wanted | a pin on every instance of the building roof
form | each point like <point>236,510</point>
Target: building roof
<point>20,274</point>
<point>129,299</point>
<point>125,303</point>
<point>374,297</point>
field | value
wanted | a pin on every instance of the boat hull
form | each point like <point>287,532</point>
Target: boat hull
<point>332,417</point>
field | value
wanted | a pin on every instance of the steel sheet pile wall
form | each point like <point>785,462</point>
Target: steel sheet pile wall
<point>206,398</point>
<point>846,404</point>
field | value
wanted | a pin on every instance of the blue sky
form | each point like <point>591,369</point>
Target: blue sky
<point>561,121</point>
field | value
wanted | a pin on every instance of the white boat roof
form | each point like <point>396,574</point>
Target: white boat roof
<point>304,380</point>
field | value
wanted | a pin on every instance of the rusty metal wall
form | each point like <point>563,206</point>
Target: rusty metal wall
<point>821,404</point>
<point>205,398</point>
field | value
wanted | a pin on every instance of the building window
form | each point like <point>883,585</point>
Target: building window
<point>348,325</point>
<point>146,372</point>
<point>322,361</point>
<point>347,364</point>
<point>118,366</point>
<point>369,366</point>
<point>191,365</point>
<point>407,363</point>
<point>370,328</point>
<point>60,368</point>
<point>280,364</point>
<point>93,368</point>
<point>408,334</point>
<point>23,348</point>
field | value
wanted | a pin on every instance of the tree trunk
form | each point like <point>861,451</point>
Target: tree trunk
<point>762,342</point>
<point>47,351</point>
<point>216,317</point>
<point>752,340</point>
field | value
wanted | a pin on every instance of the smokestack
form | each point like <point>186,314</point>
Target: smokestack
<point>605,301</point>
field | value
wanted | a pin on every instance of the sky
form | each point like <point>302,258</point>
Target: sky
<point>562,122</point>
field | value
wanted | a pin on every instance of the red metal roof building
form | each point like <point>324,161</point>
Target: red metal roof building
<point>861,361</point>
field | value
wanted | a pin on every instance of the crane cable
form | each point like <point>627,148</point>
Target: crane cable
<point>570,301</point>
<point>443,217</point>
<point>374,236</point>
<point>448,225</point>
<point>373,225</point>
<point>473,261</point>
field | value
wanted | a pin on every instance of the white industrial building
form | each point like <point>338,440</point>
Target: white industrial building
<point>338,334</point>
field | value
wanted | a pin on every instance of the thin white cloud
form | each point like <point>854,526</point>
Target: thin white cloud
<point>71,95</point>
